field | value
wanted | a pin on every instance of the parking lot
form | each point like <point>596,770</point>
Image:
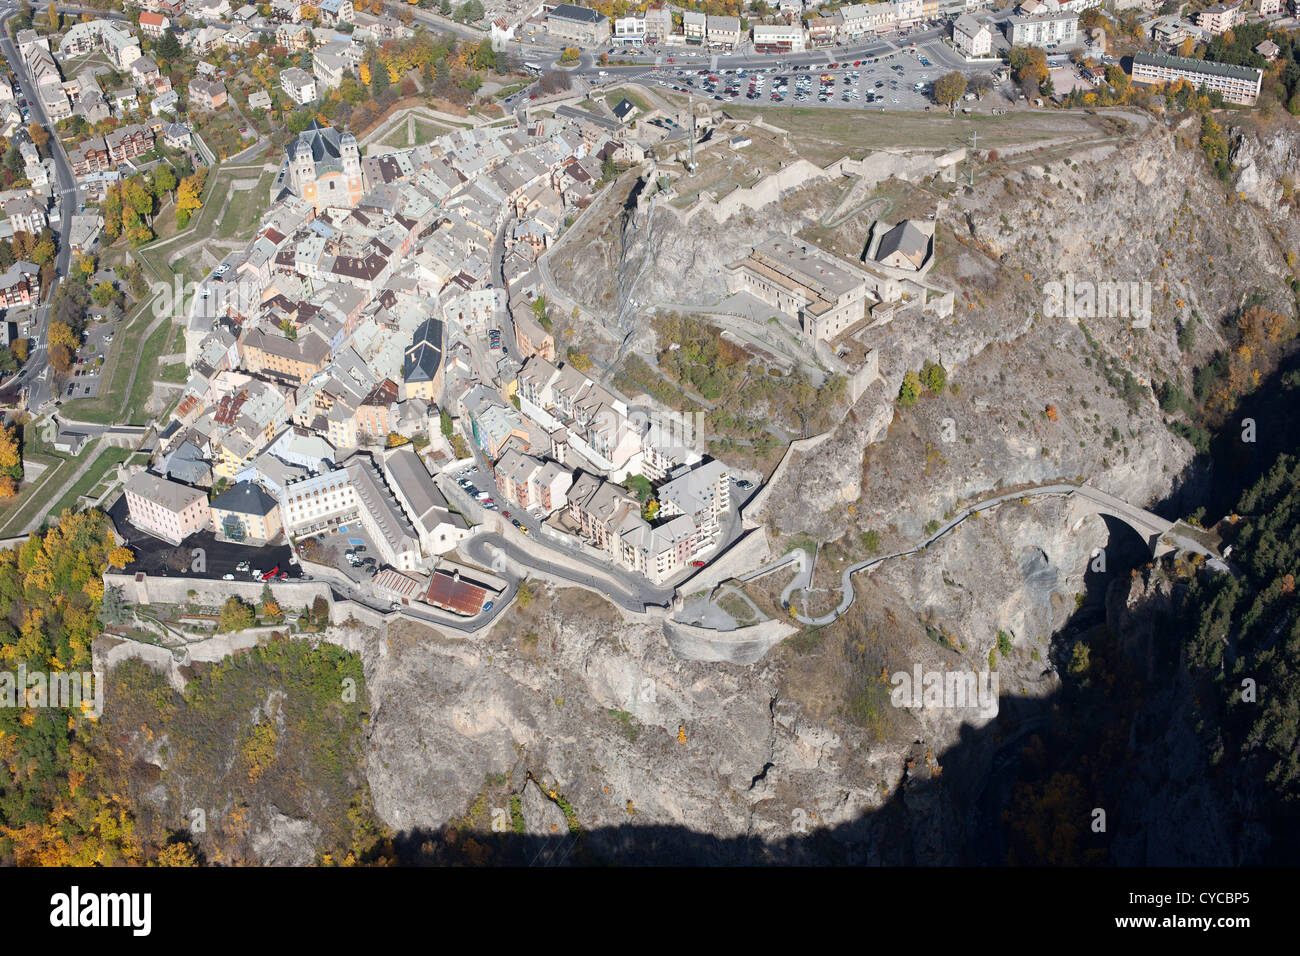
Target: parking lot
<point>478,484</point>
<point>82,380</point>
<point>333,548</point>
<point>895,81</point>
<point>215,559</point>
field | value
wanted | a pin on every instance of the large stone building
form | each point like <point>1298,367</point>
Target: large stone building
<point>325,167</point>
<point>577,24</point>
<point>825,295</point>
<point>166,509</point>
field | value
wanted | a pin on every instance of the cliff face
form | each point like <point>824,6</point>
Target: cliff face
<point>801,756</point>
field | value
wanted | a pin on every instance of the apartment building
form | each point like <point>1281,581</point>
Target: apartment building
<point>1237,84</point>
<point>972,37</point>
<point>297,359</point>
<point>318,503</point>
<point>128,142</point>
<point>20,284</point>
<point>246,513</point>
<point>1053,29</point>
<point>908,13</point>
<point>154,25</point>
<point>658,24</point>
<point>298,85</point>
<point>723,32</point>
<point>1219,18</point>
<point>579,25</point>
<point>26,214</point>
<point>630,30</point>
<point>207,94</point>
<point>438,528</point>
<point>166,509</point>
<point>694,26</point>
<point>533,482</point>
<point>702,493</point>
<point>780,38</point>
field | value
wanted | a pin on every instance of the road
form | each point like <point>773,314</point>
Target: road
<point>35,374</point>
<point>1142,521</point>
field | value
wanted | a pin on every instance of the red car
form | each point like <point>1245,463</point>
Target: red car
<point>505,514</point>
<point>274,572</point>
<point>697,564</point>
<point>672,59</point>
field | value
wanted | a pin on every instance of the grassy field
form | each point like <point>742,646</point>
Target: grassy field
<point>426,131</point>
<point>633,97</point>
<point>824,135</point>
<point>245,208</point>
<point>32,500</point>
<point>108,459</point>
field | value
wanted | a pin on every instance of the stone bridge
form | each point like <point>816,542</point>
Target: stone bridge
<point>1161,535</point>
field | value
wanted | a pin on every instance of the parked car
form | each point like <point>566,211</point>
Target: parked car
<point>487,607</point>
<point>698,564</point>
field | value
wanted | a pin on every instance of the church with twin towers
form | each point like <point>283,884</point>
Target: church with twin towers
<point>324,167</point>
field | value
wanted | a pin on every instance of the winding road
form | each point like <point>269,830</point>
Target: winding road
<point>1154,529</point>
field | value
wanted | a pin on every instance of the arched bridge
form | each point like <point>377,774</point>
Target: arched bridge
<point>1161,535</point>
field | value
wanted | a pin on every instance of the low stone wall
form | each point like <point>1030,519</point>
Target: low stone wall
<point>144,589</point>
<point>752,550</point>
<point>797,174</point>
<point>754,508</point>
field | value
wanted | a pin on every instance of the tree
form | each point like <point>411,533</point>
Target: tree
<point>910,390</point>
<point>11,459</point>
<point>571,54</point>
<point>120,557</point>
<point>189,196</point>
<point>320,613</point>
<point>934,376</point>
<point>236,615</point>
<point>949,89</point>
<point>163,182</point>
<point>104,294</point>
<point>379,79</point>
<point>60,358</point>
<point>167,47</point>
<point>1029,67</point>
<point>40,136</point>
<point>63,334</point>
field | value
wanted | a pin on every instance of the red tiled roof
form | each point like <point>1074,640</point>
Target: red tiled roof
<point>459,597</point>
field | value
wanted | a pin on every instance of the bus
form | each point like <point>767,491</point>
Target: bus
<point>533,69</point>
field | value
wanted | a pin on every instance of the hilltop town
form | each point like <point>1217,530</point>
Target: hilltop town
<point>622,393</point>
